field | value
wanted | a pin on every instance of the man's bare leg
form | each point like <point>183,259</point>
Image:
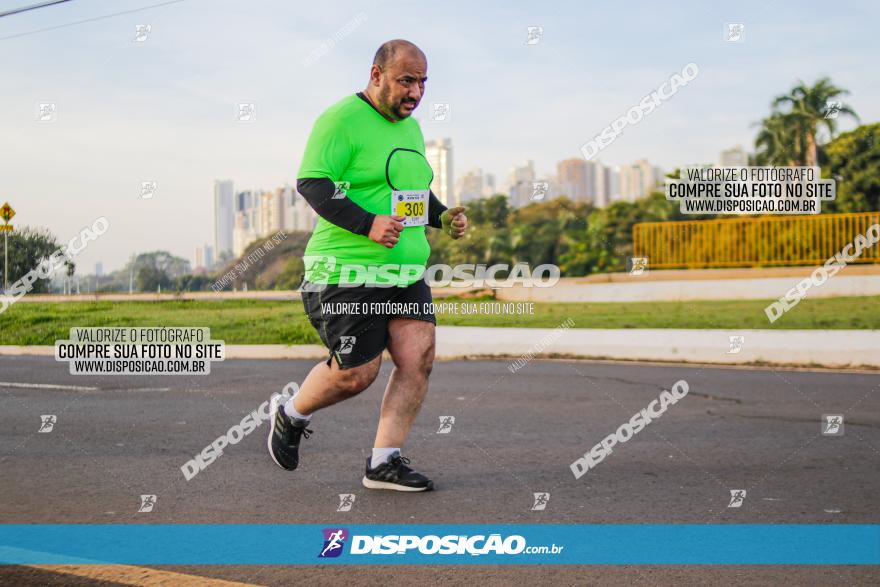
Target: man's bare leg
<point>412,350</point>
<point>324,386</point>
<point>328,385</point>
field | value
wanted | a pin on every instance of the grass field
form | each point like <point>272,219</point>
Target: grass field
<point>273,322</point>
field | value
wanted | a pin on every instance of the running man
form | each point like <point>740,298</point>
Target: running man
<point>364,172</point>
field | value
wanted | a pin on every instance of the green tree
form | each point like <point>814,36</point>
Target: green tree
<point>781,140</point>
<point>199,282</point>
<point>291,276</point>
<point>487,241</point>
<point>151,278</point>
<point>71,269</point>
<point>815,107</point>
<point>854,161</point>
<point>543,232</point>
<point>157,269</point>
<point>29,246</point>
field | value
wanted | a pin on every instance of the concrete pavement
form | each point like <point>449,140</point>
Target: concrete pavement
<point>117,438</point>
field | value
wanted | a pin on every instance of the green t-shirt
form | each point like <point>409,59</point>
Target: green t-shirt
<point>351,142</point>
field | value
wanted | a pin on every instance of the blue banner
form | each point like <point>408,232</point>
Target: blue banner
<point>604,544</point>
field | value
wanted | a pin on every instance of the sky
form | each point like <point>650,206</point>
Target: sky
<point>164,109</point>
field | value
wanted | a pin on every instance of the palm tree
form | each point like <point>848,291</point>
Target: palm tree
<point>566,221</point>
<point>71,268</point>
<point>781,140</point>
<point>815,107</point>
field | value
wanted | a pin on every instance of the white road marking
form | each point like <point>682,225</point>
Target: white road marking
<point>75,387</point>
<point>46,386</point>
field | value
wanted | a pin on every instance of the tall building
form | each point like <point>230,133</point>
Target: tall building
<point>595,182</point>
<point>735,157</point>
<point>582,181</point>
<point>271,212</point>
<point>224,215</point>
<point>439,156</point>
<point>647,177</point>
<point>200,259</point>
<point>204,258</point>
<point>288,201</point>
<point>302,217</point>
<point>610,186</point>
<point>248,220</point>
<point>630,183</point>
<point>259,214</point>
<point>520,184</point>
<point>489,186</point>
<point>470,186</point>
<point>572,178</point>
<point>597,185</point>
<point>99,269</point>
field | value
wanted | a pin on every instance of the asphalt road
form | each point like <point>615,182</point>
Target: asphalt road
<point>117,438</point>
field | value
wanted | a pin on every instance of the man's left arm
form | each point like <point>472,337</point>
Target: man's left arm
<point>452,221</point>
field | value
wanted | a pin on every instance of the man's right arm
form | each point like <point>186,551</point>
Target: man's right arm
<point>342,212</point>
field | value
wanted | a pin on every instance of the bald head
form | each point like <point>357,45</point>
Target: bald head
<point>389,50</point>
<point>397,79</point>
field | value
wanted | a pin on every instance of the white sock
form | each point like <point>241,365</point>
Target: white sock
<point>381,455</point>
<point>291,411</point>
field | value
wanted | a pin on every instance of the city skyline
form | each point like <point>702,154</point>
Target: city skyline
<point>167,109</point>
<point>242,216</point>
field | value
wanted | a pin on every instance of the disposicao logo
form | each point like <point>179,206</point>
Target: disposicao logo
<point>334,541</point>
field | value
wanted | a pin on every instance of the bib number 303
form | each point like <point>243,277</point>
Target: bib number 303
<point>412,204</point>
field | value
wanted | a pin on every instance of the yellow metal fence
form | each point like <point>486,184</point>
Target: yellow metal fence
<point>752,242</point>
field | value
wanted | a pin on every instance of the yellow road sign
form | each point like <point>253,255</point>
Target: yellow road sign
<point>5,228</point>
<point>6,212</point>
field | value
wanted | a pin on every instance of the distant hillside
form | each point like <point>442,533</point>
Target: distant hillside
<point>267,263</point>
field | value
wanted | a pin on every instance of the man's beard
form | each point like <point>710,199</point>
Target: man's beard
<point>396,108</point>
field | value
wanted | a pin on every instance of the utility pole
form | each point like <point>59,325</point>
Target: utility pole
<point>6,213</point>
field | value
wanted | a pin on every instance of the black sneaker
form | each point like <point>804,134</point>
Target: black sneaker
<point>284,436</point>
<point>394,474</point>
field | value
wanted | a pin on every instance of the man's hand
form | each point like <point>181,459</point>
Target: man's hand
<point>454,222</point>
<point>386,230</point>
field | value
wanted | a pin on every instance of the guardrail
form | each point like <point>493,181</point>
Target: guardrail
<point>751,242</point>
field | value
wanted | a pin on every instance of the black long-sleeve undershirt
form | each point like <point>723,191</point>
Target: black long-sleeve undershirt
<point>344,213</point>
<point>435,210</point>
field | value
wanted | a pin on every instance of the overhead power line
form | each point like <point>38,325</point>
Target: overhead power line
<point>31,7</point>
<point>51,28</point>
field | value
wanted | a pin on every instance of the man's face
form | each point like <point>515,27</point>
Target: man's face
<point>402,84</point>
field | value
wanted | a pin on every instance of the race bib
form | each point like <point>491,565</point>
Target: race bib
<point>412,204</point>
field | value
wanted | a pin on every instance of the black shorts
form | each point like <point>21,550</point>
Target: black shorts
<point>353,321</point>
